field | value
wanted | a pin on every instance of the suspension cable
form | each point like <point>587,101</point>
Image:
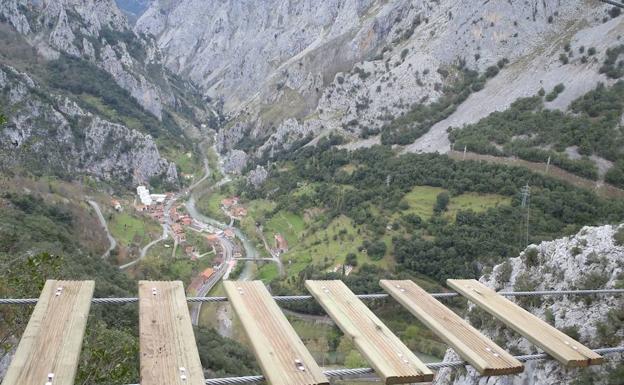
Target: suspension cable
<point>301,298</point>
<point>368,371</point>
<point>614,3</point>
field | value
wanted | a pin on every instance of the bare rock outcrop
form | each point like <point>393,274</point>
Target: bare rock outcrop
<point>55,136</point>
<point>591,259</point>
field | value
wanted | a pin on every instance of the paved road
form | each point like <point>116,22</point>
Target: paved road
<point>112,241</point>
<point>166,228</point>
<point>227,248</point>
<point>275,257</point>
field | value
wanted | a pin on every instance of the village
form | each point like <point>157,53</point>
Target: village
<point>188,233</point>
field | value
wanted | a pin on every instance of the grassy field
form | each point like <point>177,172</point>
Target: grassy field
<point>290,225</point>
<point>476,202</point>
<point>422,199</point>
<point>200,243</point>
<point>128,229</point>
<point>267,272</point>
<point>328,245</point>
<point>257,210</point>
<point>210,205</point>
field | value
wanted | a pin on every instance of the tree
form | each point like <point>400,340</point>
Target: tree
<point>442,201</point>
<point>351,259</point>
<point>3,119</point>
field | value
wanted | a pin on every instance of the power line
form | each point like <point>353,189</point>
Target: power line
<point>614,3</point>
<point>526,202</point>
<point>368,371</point>
<point>301,298</point>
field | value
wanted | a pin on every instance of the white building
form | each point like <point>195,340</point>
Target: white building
<point>159,198</point>
<point>144,195</point>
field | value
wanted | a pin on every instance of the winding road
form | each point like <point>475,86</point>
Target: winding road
<point>111,240</point>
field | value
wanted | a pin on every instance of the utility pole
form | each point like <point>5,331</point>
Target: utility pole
<point>548,164</point>
<point>526,202</point>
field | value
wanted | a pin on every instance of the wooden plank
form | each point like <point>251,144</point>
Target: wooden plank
<point>169,353</point>
<point>282,355</point>
<point>391,359</point>
<point>481,352</point>
<point>50,346</point>
<point>563,348</point>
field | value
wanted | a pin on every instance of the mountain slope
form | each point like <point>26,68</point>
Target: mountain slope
<point>299,71</point>
<point>84,94</point>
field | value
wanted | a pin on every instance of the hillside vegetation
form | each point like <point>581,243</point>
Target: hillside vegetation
<point>532,132</point>
<point>385,199</point>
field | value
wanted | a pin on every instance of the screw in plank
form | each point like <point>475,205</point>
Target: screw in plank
<point>299,365</point>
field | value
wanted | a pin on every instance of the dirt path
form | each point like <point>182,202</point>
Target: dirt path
<point>604,190</point>
<point>111,240</point>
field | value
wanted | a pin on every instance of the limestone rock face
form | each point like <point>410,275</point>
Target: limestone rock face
<point>97,31</point>
<point>284,69</point>
<point>257,176</point>
<point>590,259</point>
<point>55,136</point>
<point>235,162</point>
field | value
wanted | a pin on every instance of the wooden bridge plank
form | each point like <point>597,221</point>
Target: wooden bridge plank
<point>481,352</point>
<point>51,343</point>
<point>282,355</point>
<point>391,359</point>
<point>169,353</point>
<point>565,349</point>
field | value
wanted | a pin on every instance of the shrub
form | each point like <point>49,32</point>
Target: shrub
<point>615,175</point>
<point>531,257</point>
<point>351,259</point>
<point>611,67</point>
<point>615,12</point>
<point>442,201</point>
<point>555,92</point>
<point>618,237</point>
<point>525,283</point>
<point>571,331</point>
<point>491,71</point>
<point>503,274</point>
<point>591,51</point>
<point>593,281</point>
<point>563,58</point>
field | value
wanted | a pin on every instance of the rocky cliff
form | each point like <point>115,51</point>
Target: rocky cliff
<point>591,259</point>
<point>84,53</point>
<point>49,134</point>
<point>290,71</point>
<point>97,31</point>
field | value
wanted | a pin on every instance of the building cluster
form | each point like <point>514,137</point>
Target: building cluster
<point>148,199</point>
<point>116,205</point>
<point>346,269</point>
<point>233,208</point>
<point>281,245</point>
